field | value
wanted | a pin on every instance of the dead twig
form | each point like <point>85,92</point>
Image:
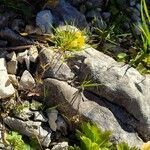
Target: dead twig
<point>15,48</point>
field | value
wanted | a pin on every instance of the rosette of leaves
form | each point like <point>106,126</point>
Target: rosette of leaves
<point>92,138</point>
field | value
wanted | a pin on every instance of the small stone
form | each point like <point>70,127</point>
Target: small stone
<point>6,88</point>
<point>21,56</point>
<point>11,56</point>
<point>39,116</point>
<point>33,53</point>
<point>61,125</point>
<point>27,81</point>
<point>13,80</point>
<point>44,20</point>
<point>17,24</point>
<point>61,146</point>
<point>12,65</point>
<point>52,117</point>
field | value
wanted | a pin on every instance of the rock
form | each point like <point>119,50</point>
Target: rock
<point>44,20</point>
<point>27,81</point>
<point>54,65</point>
<point>12,65</point>
<point>69,14</point>
<point>2,146</point>
<point>94,13</point>
<point>33,53</point>
<point>6,88</point>
<point>22,56</point>
<point>30,129</point>
<point>61,146</point>
<point>13,80</point>
<point>94,3</point>
<point>62,93</point>
<point>61,125</point>
<point>106,15</point>
<point>17,25</point>
<point>3,43</point>
<point>120,84</point>
<point>39,116</point>
<point>52,117</point>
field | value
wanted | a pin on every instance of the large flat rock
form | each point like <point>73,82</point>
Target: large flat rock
<point>70,102</point>
<point>119,84</point>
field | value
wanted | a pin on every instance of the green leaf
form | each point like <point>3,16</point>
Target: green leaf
<point>121,56</point>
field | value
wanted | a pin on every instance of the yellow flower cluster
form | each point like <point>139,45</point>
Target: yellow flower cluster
<point>146,146</point>
<point>79,40</point>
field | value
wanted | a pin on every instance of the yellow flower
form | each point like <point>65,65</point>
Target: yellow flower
<point>79,40</point>
<point>146,146</point>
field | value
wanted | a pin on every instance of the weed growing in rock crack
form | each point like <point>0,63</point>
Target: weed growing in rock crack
<point>93,138</point>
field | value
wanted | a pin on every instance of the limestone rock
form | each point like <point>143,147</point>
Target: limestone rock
<point>33,53</point>
<point>27,81</point>
<point>53,66</point>
<point>52,117</point>
<point>119,83</point>
<point>6,88</point>
<point>61,92</point>
<point>12,65</point>
<point>61,146</point>
<point>30,129</point>
<point>44,20</point>
<point>64,12</point>
<point>13,80</point>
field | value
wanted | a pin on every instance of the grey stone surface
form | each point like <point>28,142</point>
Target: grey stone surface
<point>30,129</point>
<point>61,146</point>
<point>44,20</point>
<point>67,13</point>
<point>27,81</point>
<point>52,117</point>
<point>33,53</point>
<point>6,88</point>
<point>120,84</point>
<point>12,64</point>
<point>61,125</point>
<point>39,116</point>
<point>53,65</point>
<point>13,79</point>
<point>63,93</point>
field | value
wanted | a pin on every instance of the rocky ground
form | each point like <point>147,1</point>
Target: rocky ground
<point>42,96</point>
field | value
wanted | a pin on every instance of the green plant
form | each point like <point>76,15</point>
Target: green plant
<point>92,138</point>
<point>142,59</point>
<point>15,140</point>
